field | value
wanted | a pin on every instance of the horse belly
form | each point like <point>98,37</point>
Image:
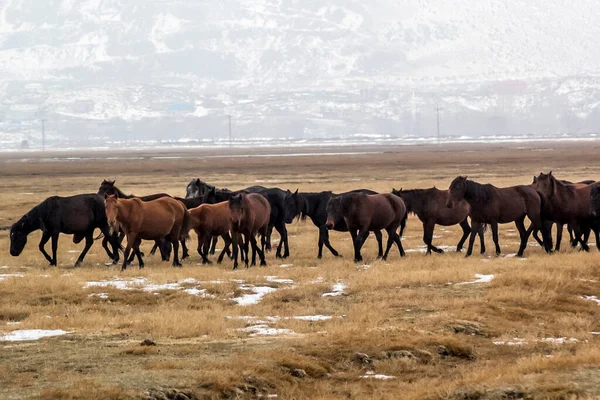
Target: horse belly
<point>157,227</point>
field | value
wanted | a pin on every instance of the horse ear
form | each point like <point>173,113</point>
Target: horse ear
<point>106,195</point>
<point>113,182</point>
<point>198,181</point>
<point>288,191</point>
<point>550,173</point>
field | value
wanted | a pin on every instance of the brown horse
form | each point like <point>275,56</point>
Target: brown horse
<point>569,204</point>
<point>164,217</point>
<point>492,205</point>
<point>250,213</point>
<point>367,213</point>
<point>429,205</point>
<point>208,221</point>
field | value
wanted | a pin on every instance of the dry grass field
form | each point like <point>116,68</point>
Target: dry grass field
<point>400,329</point>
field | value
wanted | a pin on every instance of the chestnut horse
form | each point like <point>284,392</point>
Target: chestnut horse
<point>208,221</point>
<point>250,214</point>
<point>164,217</point>
<point>368,213</point>
<point>492,205</point>
<point>569,204</point>
<point>429,205</point>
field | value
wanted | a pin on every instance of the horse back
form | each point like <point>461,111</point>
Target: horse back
<point>75,214</point>
<point>260,208</point>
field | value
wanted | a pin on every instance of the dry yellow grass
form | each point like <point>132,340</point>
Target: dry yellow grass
<point>409,316</point>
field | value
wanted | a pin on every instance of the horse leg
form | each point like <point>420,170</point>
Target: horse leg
<point>130,241</point>
<point>45,237</point>
<point>428,228</point>
<point>524,234</point>
<point>153,251</point>
<point>247,249</point>
<point>475,227</point>
<point>261,254</point>
<point>324,240</point>
<point>54,247</point>
<point>559,233</point>
<point>379,238</point>
<point>89,241</point>
<point>494,226</point>
<point>481,240</point>
<point>361,238</point>
<point>466,230</point>
<point>227,241</point>
<point>235,240</point>
<point>175,243</point>
<point>391,238</point>
<point>269,232</point>
<point>213,246</point>
<point>398,241</point>
<point>138,253</point>
<point>185,253</point>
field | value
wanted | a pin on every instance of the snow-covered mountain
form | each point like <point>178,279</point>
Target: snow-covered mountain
<point>124,69</point>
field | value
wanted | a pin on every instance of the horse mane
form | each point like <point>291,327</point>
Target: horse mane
<point>122,194</point>
<point>32,220</point>
<point>302,205</point>
<point>562,185</point>
<point>479,192</point>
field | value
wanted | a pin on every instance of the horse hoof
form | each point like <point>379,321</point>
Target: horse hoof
<point>319,257</point>
<point>263,263</point>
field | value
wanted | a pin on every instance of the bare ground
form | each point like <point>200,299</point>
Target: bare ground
<point>409,320</point>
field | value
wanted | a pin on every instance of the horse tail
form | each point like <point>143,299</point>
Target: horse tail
<point>403,224</point>
<point>186,226</point>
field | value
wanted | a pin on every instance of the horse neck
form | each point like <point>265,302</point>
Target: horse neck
<point>471,193</point>
<point>561,190</point>
<point>124,211</point>
<point>32,220</point>
<point>414,200</point>
<point>121,194</point>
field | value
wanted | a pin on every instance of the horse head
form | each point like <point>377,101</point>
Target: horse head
<point>106,187</point>
<point>292,206</point>
<point>209,197</point>
<point>18,236</point>
<point>457,191</point>
<point>236,208</point>
<point>545,183</point>
<point>334,211</point>
<point>112,211</point>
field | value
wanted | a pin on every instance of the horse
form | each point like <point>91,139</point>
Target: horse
<point>164,217</point>
<point>208,221</point>
<point>559,226</point>
<point>276,198</point>
<point>197,188</point>
<point>595,200</point>
<point>365,213</point>
<point>314,206</point>
<point>429,205</point>
<point>109,188</point>
<point>250,214</point>
<point>77,215</point>
<point>492,205</point>
<point>569,204</point>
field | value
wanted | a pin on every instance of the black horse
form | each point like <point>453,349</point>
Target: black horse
<point>314,206</point>
<point>278,220</point>
<point>76,215</point>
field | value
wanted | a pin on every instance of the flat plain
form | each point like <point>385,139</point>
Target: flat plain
<point>422,327</point>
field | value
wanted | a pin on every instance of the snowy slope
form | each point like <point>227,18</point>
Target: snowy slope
<point>130,60</point>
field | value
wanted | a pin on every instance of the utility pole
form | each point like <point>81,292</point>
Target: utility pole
<point>43,135</point>
<point>437,110</point>
<point>229,116</point>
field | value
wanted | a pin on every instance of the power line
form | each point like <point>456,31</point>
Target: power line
<point>43,135</point>
<point>437,110</point>
<point>229,116</point>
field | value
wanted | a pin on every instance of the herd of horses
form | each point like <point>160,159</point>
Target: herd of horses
<point>243,216</point>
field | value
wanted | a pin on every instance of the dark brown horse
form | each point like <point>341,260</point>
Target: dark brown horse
<point>547,211</point>
<point>367,213</point>
<point>492,205</point>
<point>569,204</point>
<point>164,217</point>
<point>429,205</point>
<point>208,221</point>
<point>250,214</point>
<point>595,200</point>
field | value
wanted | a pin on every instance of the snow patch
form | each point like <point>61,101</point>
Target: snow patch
<point>31,334</point>
<point>5,276</point>
<point>513,342</point>
<point>265,330</point>
<point>373,375</point>
<point>278,280</point>
<point>253,298</point>
<point>592,298</point>
<point>99,295</point>
<point>336,290</point>
<point>480,279</point>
